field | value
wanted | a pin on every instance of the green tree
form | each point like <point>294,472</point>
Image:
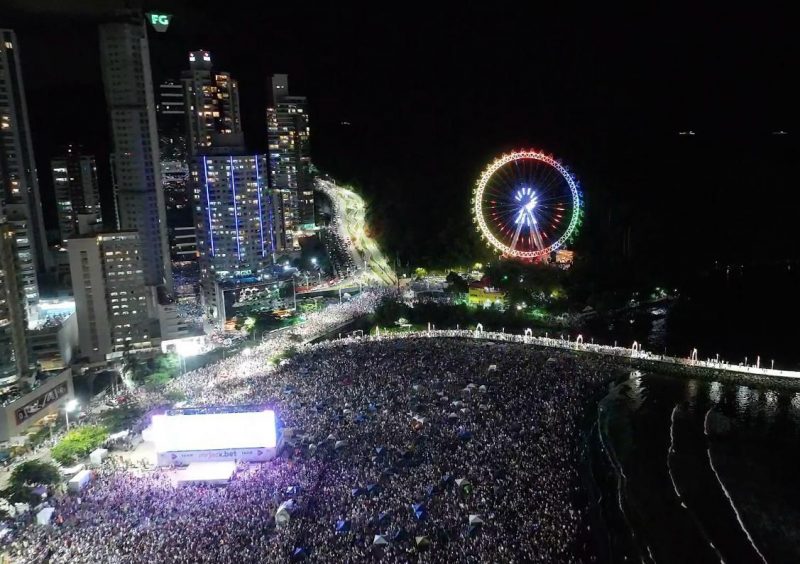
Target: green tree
<point>78,443</point>
<point>34,472</point>
<point>420,272</point>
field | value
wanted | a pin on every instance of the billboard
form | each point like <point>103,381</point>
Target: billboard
<point>22,414</point>
<point>201,437</point>
<point>255,297</point>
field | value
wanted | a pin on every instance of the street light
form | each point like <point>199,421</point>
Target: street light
<point>69,407</point>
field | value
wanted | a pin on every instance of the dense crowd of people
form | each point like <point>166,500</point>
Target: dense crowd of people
<point>436,450</point>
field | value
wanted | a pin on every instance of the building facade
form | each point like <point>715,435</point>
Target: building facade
<point>211,102</point>
<point>290,177</point>
<point>19,415</point>
<point>112,304</point>
<point>75,183</point>
<point>235,240</point>
<point>125,62</point>
<point>19,184</point>
<point>13,320</point>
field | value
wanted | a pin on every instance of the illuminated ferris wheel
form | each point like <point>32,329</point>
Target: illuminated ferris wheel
<point>526,205</point>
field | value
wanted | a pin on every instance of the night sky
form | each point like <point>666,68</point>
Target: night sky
<point>433,94</point>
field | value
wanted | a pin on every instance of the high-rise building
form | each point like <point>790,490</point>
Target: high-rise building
<point>211,104</point>
<point>290,161</point>
<point>13,322</point>
<point>234,225</point>
<point>170,107</point>
<point>75,183</point>
<point>111,300</point>
<point>125,61</point>
<point>171,116</point>
<point>171,120</point>
<point>19,185</point>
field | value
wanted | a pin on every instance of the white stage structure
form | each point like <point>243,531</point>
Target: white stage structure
<point>184,437</point>
<point>214,473</point>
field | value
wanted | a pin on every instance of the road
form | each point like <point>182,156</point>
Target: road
<point>350,221</point>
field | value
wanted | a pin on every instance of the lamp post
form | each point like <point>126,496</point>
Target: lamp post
<point>69,407</point>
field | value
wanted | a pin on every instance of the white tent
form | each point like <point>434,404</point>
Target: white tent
<point>380,540</point>
<point>284,512</point>
<point>475,520</point>
<point>97,456</point>
<point>72,470</point>
<point>44,516</point>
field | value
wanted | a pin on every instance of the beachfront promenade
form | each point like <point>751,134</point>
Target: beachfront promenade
<point>635,353</point>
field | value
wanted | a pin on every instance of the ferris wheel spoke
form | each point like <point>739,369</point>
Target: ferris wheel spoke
<point>526,202</point>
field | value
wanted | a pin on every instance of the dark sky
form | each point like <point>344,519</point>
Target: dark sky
<point>433,94</point>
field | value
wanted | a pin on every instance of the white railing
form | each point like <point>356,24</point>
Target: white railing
<point>634,352</point>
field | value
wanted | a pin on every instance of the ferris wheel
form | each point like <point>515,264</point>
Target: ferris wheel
<point>527,205</point>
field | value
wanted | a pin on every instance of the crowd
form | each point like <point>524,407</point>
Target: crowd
<point>435,450</point>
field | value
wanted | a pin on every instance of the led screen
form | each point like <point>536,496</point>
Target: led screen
<point>214,431</point>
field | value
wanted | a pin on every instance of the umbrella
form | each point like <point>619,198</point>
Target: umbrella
<point>430,490</point>
<point>379,450</point>
<point>452,415</point>
<point>299,553</point>
<point>419,511</point>
<point>339,444</point>
<point>475,520</point>
<point>357,492</point>
<point>331,438</point>
<point>383,515</point>
<point>342,526</point>
<point>372,489</point>
<point>422,542</point>
<point>380,540</point>
<point>482,388</point>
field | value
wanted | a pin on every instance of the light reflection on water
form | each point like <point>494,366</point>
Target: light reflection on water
<point>715,392</point>
<point>755,432</point>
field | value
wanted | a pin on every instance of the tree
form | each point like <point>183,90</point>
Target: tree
<point>457,284</point>
<point>420,272</point>
<point>168,363</point>
<point>34,472</point>
<point>78,443</point>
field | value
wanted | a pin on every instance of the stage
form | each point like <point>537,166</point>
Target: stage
<point>214,473</point>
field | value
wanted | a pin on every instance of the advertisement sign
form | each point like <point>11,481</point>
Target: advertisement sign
<point>34,406</point>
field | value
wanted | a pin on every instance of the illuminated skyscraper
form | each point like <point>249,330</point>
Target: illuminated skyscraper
<point>13,350</point>
<point>233,218</point>
<point>111,299</point>
<point>289,162</point>
<point>125,61</point>
<point>19,185</point>
<point>212,106</point>
<point>75,183</point>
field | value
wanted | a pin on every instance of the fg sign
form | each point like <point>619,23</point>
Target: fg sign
<point>160,22</point>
